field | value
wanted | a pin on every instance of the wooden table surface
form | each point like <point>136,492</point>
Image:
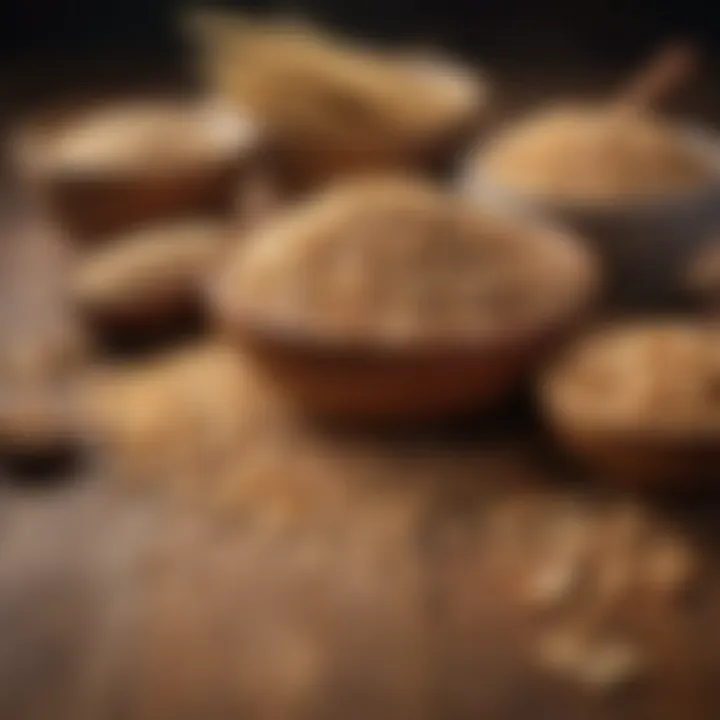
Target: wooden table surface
<point>361,591</point>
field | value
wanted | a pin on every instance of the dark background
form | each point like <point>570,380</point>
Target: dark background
<point>54,51</point>
<point>549,31</point>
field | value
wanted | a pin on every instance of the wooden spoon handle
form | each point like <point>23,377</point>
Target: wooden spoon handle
<point>666,72</point>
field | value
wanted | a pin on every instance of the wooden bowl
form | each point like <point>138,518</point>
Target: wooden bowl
<point>370,383</point>
<point>641,401</point>
<point>107,169</point>
<point>149,279</point>
<point>311,155</point>
<point>335,109</point>
<point>373,374</point>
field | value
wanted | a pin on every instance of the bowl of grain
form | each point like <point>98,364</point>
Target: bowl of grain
<point>392,298</point>
<point>110,167</point>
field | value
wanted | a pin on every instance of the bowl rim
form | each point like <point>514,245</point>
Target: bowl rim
<point>260,325</point>
<point>35,136</point>
<point>704,141</point>
<point>572,421</point>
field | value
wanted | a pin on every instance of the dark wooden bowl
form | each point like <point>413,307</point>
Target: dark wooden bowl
<point>92,203</point>
<point>365,381</point>
<point>645,460</point>
<point>370,384</point>
<point>148,282</point>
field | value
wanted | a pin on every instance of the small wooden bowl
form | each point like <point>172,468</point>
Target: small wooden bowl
<point>101,191</point>
<point>612,414</point>
<point>335,110</point>
<point>370,377</point>
<point>149,279</point>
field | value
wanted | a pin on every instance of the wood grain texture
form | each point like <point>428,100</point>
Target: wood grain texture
<point>329,575</point>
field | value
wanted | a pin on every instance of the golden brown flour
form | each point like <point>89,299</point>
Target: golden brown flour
<point>200,426</point>
<point>396,261</point>
<point>586,155</point>
<point>150,137</point>
<point>196,423</point>
<point>655,378</point>
<point>641,401</point>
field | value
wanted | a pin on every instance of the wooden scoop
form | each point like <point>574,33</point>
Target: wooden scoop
<point>663,75</point>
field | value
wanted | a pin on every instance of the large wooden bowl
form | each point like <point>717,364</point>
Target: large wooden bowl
<point>370,375</point>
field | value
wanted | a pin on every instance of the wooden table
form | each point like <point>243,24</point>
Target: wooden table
<point>383,603</point>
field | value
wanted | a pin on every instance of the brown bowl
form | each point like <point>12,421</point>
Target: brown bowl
<point>332,109</point>
<point>374,376</point>
<point>655,445</point>
<point>99,194</point>
<point>646,461</point>
<point>374,383</point>
<point>147,280</point>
